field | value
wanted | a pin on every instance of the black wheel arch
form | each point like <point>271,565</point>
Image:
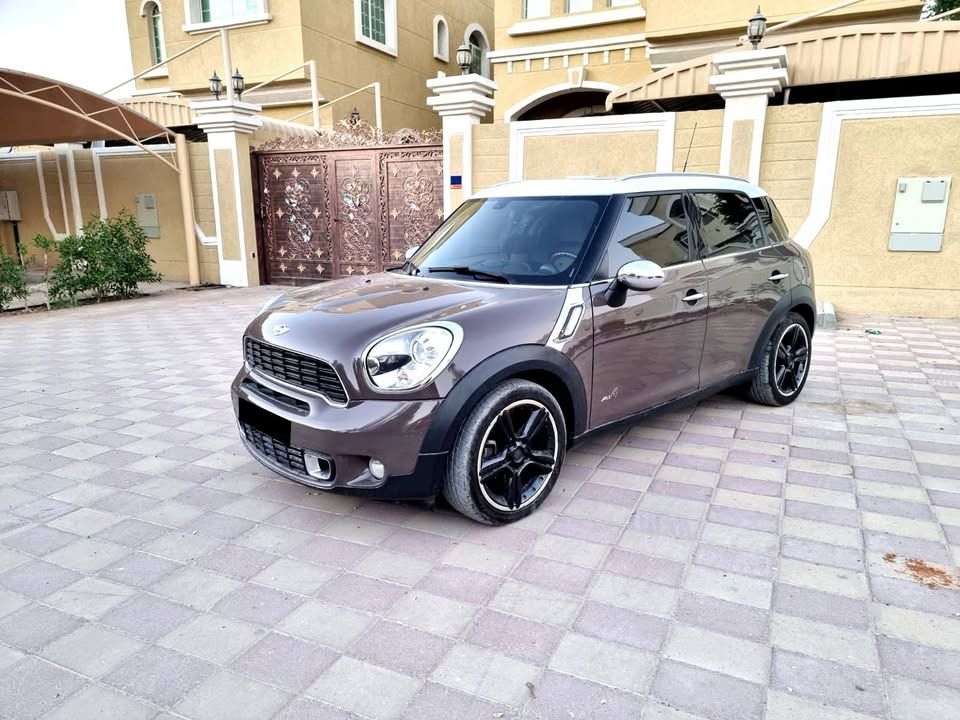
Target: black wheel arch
<point>800,300</point>
<point>537,363</point>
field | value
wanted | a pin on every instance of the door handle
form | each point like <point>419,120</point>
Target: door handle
<point>692,297</point>
<point>778,276</point>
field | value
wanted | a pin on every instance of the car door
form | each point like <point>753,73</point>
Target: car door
<point>647,350</point>
<point>747,274</point>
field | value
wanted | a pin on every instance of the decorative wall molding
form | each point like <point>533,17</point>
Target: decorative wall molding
<point>828,147</point>
<point>349,134</point>
<point>663,123</point>
<point>537,52</point>
<point>577,20</point>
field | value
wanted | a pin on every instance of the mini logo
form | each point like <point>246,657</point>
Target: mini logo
<point>280,329</point>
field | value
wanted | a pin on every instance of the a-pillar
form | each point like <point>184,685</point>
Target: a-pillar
<point>228,125</point>
<point>461,101</point>
<point>746,80</point>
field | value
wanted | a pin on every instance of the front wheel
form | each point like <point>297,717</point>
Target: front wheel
<point>508,454</point>
<point>784,365</point>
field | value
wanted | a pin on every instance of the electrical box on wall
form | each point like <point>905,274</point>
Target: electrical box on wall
<point>919,214</point>
<point>9,205</point>
<point>147,215</point>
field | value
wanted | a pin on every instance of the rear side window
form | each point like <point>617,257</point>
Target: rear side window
<point>651,227</point>
<point>777,231</point>
<point>728,223</point>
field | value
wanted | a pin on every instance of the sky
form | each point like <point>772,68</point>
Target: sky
<point>81,42</point>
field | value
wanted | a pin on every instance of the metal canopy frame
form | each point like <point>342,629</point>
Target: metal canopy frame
<point>112,118</point>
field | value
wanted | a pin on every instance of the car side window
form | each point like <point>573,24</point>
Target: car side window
<point>728,223</point>
<point>651,227</point>
<point>773,224</point>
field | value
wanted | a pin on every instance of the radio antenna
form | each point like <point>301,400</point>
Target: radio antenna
<point>687,158</point>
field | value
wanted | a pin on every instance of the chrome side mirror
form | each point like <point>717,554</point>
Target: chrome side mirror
<point>410,252</point>
<point>640,275</point>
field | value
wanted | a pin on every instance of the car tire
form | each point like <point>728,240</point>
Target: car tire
<point>518,487</point>
<point>784,364</point>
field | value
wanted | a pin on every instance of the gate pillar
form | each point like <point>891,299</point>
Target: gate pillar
<point>461,101</point>
<point>228,125</point>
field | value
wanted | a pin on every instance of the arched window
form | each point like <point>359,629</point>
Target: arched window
<point>155,32</point>
<point>441,39</point>
<point>476,38</point>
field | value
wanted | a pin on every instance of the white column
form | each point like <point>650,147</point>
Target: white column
<point>228,125</point>
<point>461,101</point>
<point>746,80</point>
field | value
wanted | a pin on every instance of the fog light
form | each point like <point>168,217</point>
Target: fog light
<point>377,469</point>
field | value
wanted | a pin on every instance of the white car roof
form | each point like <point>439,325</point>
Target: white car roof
<point>629,184</point>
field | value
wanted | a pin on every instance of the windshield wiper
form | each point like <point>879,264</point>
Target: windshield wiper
<point>464,270</point>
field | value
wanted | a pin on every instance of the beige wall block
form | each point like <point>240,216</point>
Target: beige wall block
<point>229,232</point>
<point>699,131</point>
<point>789,158</point>
<point>456,154</point>
<point>560,156</point>
<point>853,267</point>
<point>125,177</point>
<point>741,143</point>
<point>491,161</point>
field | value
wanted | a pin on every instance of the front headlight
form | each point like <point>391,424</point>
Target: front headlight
<point>407,359</point>
<point>271,303</point>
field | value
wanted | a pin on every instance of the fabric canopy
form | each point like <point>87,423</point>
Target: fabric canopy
<point>36,110</point>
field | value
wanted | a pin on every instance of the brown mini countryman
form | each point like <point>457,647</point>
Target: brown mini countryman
<point>538,313</point>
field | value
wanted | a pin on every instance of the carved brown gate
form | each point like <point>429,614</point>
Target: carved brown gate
<point>348,202</point>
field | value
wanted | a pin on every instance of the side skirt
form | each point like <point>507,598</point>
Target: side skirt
<point>688,399</point>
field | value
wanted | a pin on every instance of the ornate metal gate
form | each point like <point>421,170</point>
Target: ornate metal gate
<point>349,201</point>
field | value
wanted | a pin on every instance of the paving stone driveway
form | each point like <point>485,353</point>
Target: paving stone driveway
<point>727,562</point>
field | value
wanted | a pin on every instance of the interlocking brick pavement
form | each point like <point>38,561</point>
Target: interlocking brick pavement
<point>727,561</point>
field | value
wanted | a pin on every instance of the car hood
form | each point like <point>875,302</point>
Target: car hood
<point>337,320</point>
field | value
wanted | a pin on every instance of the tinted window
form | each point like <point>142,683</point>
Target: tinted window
<point>530,240</point>
<point>778,222</point>
<point>728,223</point>
<point>651,227</point>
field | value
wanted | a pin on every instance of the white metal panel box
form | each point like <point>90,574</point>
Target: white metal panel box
<point>919,214</point>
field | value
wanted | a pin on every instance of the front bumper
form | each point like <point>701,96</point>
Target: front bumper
<point>346,438</point>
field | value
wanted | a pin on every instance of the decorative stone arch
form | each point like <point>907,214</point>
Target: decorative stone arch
<point>145,3</point>
<point>441,38</point>
<point>485,46</point>
<point>553,91</point>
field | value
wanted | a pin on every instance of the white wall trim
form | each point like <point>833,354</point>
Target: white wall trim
<point>44,203</point>
<point>63,196</point>
<point>577,20</point>
<point>133,150</point>
<point>537,52</point>
<point>98,179</point>
<point>552,91</point>
<point>828,147</point>
<point>441,45</point>
<point>203,238</point>
<point>663,123</point>
<point>74,189</point>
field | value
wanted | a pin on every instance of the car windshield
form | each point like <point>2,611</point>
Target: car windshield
<point>526,240</point>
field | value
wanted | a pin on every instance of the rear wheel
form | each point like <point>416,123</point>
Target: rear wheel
<point>508,454</point>
<point>784,365</point>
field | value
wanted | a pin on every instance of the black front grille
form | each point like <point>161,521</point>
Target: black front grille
<point>288,457</point>
<point>297,406</point>
<point>299,370</point>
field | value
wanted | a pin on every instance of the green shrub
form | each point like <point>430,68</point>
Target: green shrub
<point>13,280</point>
<point>109,258</point>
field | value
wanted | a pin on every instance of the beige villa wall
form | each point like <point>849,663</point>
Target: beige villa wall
<point>608,153</point>
<point>703,142</point>
<point>20,174</point>
<point>789,158</point>
<point>322,30</point>
<point>509,12</point>
<point>124,176</point>
<point>491,154</point>
<point>853,267</point>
